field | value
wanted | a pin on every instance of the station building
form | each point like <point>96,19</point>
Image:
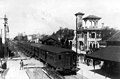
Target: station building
<point>89,35</point>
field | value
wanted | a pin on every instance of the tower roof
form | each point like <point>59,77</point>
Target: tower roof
<point>91,17</point>
<point>79,13</point>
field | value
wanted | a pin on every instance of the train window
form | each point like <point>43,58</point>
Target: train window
<point>60,57</point>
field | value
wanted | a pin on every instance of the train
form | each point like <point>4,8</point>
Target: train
<point>61,59</point>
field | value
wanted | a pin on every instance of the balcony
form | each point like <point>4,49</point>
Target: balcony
<point>94,39</point>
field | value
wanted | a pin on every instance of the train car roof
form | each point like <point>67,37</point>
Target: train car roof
<point>52,48</point>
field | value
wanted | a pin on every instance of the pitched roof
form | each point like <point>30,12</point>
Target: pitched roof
<point>44,38</point>
<point>115,37</point>
<point>70,38</point>
<point>92,17</point>
<point>52,48</point>
<point>110,53</point>
<point>50,37</point>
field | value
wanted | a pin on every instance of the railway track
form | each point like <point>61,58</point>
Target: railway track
<point>52,74</point>
<point>71,77</point>
<point>78,76</point>
<point>74,77</point>
<point>44,73</point>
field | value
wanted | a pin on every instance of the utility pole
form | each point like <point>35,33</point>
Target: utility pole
<point>5,47</point>
<point>1,32</point>
<point>60,33</point>
<point>5,24</point>
<point>5,32</point>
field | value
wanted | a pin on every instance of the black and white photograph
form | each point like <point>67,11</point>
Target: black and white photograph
<point>59,39</point>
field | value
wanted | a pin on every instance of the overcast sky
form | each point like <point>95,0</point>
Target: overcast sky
<point>47,16</point>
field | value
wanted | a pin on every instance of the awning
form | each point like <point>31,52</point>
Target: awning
<point>110,53</point>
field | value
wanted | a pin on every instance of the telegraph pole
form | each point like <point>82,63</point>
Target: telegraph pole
<point>1,33</point>
<point>5,32</point>
<point>5,24</point>
<point>60,33</point>
<point>5,47</point>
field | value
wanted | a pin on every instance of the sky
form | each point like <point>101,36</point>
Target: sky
<point>47,16</point>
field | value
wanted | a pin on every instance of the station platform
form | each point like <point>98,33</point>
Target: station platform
<point>91,73</point>
<point>14,71</point>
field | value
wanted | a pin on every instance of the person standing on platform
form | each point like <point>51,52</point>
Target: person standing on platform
<point>21,64</point>
<point>4,65</point>
<point>94,63</point>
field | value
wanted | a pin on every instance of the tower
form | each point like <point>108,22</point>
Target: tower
<point>78,26</point>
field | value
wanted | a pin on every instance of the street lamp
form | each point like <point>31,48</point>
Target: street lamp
<point>78,28</point>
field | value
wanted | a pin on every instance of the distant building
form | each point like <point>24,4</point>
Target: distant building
<point>29,37</point>
<point>34,38</point>
<point>51,40</point>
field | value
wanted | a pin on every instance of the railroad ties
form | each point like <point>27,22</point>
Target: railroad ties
<point>78,76</point>
<point>52,73</point>
<point>42,73</point>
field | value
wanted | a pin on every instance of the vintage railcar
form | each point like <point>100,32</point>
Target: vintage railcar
<point>61,59</point>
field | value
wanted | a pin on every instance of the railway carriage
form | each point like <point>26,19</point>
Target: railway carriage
<point>61,59</point>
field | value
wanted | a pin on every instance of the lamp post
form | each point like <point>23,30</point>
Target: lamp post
<point>78,28</point>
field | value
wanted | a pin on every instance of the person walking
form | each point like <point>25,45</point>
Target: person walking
<point>21,64</point>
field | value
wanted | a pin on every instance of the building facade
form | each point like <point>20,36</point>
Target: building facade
<point>87,35</point>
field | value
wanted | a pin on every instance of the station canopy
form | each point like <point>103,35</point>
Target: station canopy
<point>110,53</point>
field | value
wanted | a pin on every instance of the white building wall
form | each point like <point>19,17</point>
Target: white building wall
<point>29,37</point>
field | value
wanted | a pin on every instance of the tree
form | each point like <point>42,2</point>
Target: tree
<point>107,33</point>
<point>65,33</point>
<point>20,37</point>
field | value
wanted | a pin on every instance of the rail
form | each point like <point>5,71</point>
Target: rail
<point>52,73</point>
<point>47,74</point>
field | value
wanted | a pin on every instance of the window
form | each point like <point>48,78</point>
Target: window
<point>81,43</point>
<point>93,35</point>
<point>60,57</point>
